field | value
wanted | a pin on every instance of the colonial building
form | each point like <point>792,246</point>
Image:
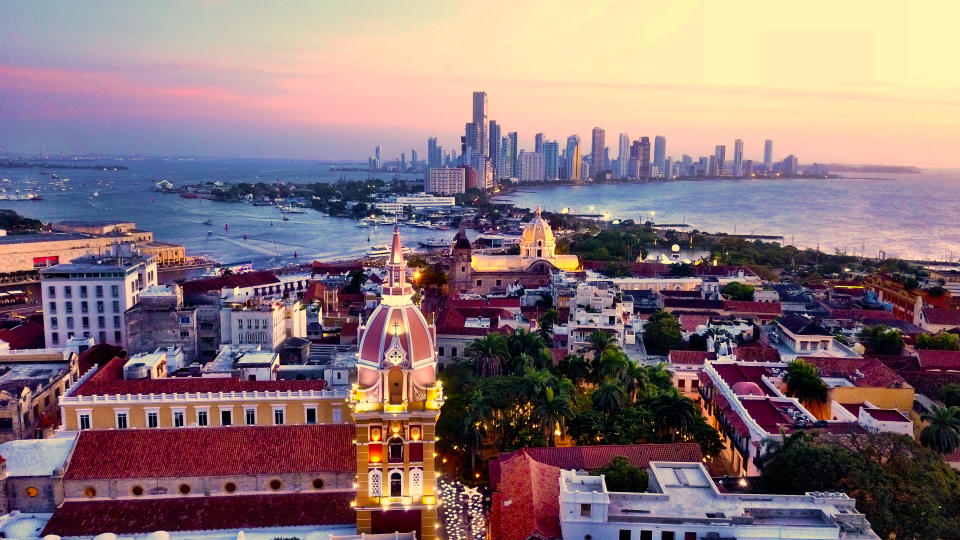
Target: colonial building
<point>482,273</point>
<point>395,405</point>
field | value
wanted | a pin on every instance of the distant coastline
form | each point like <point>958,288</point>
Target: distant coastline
<point>33,165</point>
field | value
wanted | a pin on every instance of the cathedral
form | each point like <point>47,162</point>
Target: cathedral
<point>395,405</point>
<point>478,273</point>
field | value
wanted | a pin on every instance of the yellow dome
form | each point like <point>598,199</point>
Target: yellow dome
<point>537,233</point>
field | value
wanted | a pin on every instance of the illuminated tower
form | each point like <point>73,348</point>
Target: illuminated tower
<point>395,405</point>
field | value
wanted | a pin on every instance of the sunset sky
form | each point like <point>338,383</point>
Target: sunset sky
<point>857,82</point>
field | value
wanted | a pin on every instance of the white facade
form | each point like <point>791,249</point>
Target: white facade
<point>531,167</point>
<point>418,201</point>
<point>597,309</point>
<point>446,181</point>
<point>683,503</point>
<point>265,324</point>
<point>89,296</point>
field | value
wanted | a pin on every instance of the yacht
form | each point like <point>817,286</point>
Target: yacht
<point>435,243</point>
<point>376,252</point>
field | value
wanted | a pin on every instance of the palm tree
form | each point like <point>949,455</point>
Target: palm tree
<point>476,415</point>
<point>553,409</point>
<point>943,433</point>
<point>804,383</point>
<point>673,414</point>
<point>610,396</point>
<point>659,376</point>
<point>636,380</point>
<point>574,368</point>
<point>613,364</point>
<point>773,445</point>
<point>489,353</point>
<point>600,342</point>
<point>546,323</point>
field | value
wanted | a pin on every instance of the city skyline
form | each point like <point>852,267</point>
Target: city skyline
<point>335,82</point>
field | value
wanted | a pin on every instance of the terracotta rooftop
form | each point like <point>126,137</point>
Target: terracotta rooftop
<point>212,451</point>
<point>527,503</point>
<point>691,357</point>
<point>887,415</point>
<point>861,314</point>
<point>99,355</point>
<point>803,326</point>
<point>505,303</point>
<point>756,351</point>
<point>693,303</point>
<point>862,372</point>
<point>28,335</point>
<point>734,373</point>
<point>940,316</point>
<point>763,308</point>
<point>690,321</point>
<point>143,516</point>
<point>108,380</point>
<point>248,279</point>
<point>943,360</point>
<point>769,414</point>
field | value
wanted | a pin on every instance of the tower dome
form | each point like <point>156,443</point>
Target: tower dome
<point>537,240</point>
<point>397,334</point>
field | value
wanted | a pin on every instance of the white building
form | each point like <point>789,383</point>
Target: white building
<point>683,503</point>
<point>531,167</point>
<point>446,181</point>
<point>89,296</point>
<point>261,323</point>
<point>417,202</point>
<point>593,308</point>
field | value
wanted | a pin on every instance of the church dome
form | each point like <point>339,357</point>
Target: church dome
<point>537,233</point>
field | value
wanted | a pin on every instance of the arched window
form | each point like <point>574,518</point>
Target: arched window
<point>395,450</point>
<point>396,484</point>
<point>416,483</point>
<point>375,479</point>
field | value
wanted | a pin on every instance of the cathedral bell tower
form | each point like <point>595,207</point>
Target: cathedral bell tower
<point>395,404</point>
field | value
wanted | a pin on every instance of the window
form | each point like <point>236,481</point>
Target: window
<point>84,307</point>
<point>114,291</point>
<point>276,484</point>
<point>83,420</point>
<point>395,449</point>
<point>337,416</point>
<point>667,535</point>
<point>67,292</point>
<point>116,321</point>
<point>646,535</point>
<point>584,510</point>
<point>100,308</point>
<point>396,484</point>
<point>178,418</point>
<point>184,320</point>
<point>99,290</point>
<point>479,282</point>
<point>375,481</point>
<point>317,483</point>
<point>624,534</point>
<point>229,487</point>
<point>226,417</point>
<point>54,337</point>
<point>203,417</point>
<point>52,291</point>
<point>83,291</point>
<point>122,420</point>
<point>116,306</point>
<point>137,491</point>
<point>440,350</point>
<point>498,283</point>
<point>278,416</point>
<point>117,336</point>
<point>90,492</point>
<point>416,483</point>
<point>682,384</point>
<point>153,419</point>
<point>85,321</point>
<point>694,384</point>
<point>453,351</point>
<point>101,321</point>
<point>250,417</point>
<point>689,536</point>
<point>311,415</point>
<point>184,489</point>
<point>53,307</point>
<point>69,307</point>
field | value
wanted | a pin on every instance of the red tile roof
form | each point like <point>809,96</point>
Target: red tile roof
<point>249,279</point>
<point>505,303</point>
<point>142,516</point>
<point>314,292</point>
<point>28,335</point>
<point>930,359</point>
<point>862,372</point>
<point>760,308</point>
<point>212,451</point>
<point>109,380</point>
<point>99,355</point>
<point>335,268</point>
<point>940,316</point>
<point>861,314</point>
<point>768,414</point>
<point>755,351</point>
<point>734,373</point>
<point>887,415</point>
<point>527,503</point>
<point>690,321</point>
<point>691,357</point>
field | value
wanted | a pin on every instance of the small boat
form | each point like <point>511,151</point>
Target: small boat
<point>96,193</point>
<point>54,176</point>
<point>434,243</point>
<point>226,226</point>
<point>208,222</point>
<point>189,195</point>
<point>376,252</point>
<point>285,218</point>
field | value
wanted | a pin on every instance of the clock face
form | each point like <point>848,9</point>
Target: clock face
<point>395,357</point>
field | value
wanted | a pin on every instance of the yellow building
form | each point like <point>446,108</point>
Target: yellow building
<point>103,399</point>
<point>860,380</point>
<point>395,405</point>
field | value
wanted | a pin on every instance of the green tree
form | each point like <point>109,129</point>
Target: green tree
<point>545,325</point>
<point>950,394</point>
<point>357,279</point>
<point>600,341</point>
<point>882,339</point>
<point>737,291</point>
<point>614,364</point>
<point>621,476</point>
<point>661,333</point>
<point>609,397</point>
<point>673,415</point>
<point>941,341</point>
<point>489,353</point>
<point>574,368</point>
<point>943,433</point>
<point>804,383</point>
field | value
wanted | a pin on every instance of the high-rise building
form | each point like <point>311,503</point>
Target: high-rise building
<point>471,139</point>
<point>538,143</point>
<point>573,157</point>
<point>686,166</point>
<point>585,169</point>
<point>659,154</point>
<point>403,161</point>
<point>530,165</point>
<point>434,154</point>
<point>623,158</point>
<point>413,158</point>
<point>495,157</point>
<point>767,154</point>
<point>378,158</point>
<point>640,158</point>
<point>481,143</point>
<point>510,155</point>
<point>703,166</point>
<point>596,151</point>
<point>720,154</point>
<point>550,160</point>
<point>667,166</point>
<point>446,181</point>
<point>788,167</point>
<point>738,157</point>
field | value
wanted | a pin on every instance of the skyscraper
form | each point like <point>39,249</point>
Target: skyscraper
<point>719,154</point>
<point>644,157</point>
<point>767,154</point>
<point>538,143</point>
<point>434,153</point>
<point>573,157</point>
<point>530,165</point>
<point>623,158</point>
<point>495,157</point>
<point>510,155</point>
<point>378,158</point>
<point>659,153</point>
<point>413,158</point>
<point>482,144</point>
<point>550,160</point>
<point>738,157</point>
<point>596,151</point>
<point>403,161</point>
